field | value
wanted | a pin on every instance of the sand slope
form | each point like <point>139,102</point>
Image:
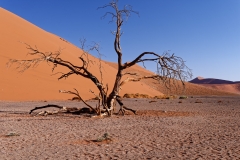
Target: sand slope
<point>234,88</point>
<point>37,83</point>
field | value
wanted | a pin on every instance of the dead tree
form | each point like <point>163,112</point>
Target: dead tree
<point>169,67</point>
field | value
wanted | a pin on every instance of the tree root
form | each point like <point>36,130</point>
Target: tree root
<point>123,108</point>
<point>129,109</point>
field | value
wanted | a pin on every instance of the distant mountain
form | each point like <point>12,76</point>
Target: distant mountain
<point>219,84</point>
<point>201,80</point>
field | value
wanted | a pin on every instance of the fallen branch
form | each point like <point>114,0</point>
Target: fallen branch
<point>47,106</point>
<point>72,110</point>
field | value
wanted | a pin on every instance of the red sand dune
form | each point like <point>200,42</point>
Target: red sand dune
<point>38,84</point>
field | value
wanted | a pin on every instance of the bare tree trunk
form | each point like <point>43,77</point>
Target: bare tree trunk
<point>115,91</point>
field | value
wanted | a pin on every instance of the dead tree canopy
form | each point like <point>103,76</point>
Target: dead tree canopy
<point>169,67</point>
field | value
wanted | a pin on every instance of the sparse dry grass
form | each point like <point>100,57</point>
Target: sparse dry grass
<point>183,97</point>
<point>138,95</point>
<point>152,101</point>
<point>11,134</point>
<point>165,97</point>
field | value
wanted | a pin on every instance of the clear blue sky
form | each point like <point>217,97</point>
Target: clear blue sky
<point>205,33</point>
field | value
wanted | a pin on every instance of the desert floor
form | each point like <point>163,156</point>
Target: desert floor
<point>165,129</point>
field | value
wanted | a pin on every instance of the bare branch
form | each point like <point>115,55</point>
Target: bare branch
<point>77,94</point>
<point>120,16</point>
<point>168,66</point>
<point>96,47</point>
<point>64,75</point>
<point>95,94</point>
<point>124,14</point>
